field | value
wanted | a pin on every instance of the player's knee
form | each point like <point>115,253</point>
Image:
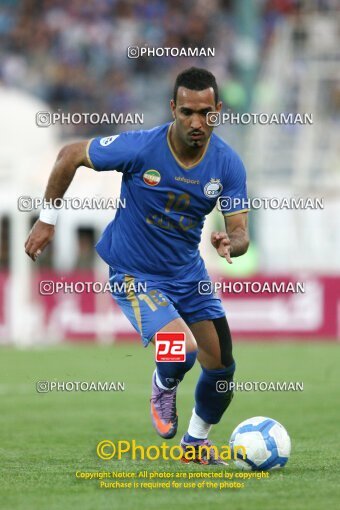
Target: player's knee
<point>190,359</point>
<point>230,370</point>
<point>175,371</point>
<point>229,366</point>
<point>221,373</point>
<point>225,343</point>
<point>215,364</point>
<point>190,342</point>
<point>191,345</point>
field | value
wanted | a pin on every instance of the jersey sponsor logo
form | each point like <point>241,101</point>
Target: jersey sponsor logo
<point>152,177</point>
<point>107,140</point>
<point>213,188</point>
<point>170,346</point>
<point>187,181</point>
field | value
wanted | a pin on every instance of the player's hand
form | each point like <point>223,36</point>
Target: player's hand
<point>39,237</point>
<point>221,241</point>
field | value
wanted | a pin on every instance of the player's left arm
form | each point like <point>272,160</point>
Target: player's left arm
<point>235,241</point>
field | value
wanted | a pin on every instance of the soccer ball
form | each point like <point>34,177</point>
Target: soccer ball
<point>266,442</point>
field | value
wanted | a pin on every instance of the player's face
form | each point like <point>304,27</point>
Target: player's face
<point>190,113</point>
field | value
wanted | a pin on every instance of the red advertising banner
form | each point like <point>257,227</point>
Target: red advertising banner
<point>75,307</point>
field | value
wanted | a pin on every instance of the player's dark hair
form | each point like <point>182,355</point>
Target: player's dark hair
<point>195,78</point>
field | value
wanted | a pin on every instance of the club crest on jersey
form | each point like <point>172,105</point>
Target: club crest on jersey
<point>213,188</point>
<point>152,177</point>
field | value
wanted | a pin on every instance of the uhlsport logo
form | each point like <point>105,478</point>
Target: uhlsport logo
<point>213,188</point>
<point>152,177</point>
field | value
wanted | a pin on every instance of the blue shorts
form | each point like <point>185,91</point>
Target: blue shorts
<point>150,305</point>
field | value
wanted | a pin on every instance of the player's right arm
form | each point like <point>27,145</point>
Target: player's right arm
<point>69,159</point>
<point>115,152</point>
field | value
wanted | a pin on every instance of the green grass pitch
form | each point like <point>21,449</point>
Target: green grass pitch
<point>46,438</point>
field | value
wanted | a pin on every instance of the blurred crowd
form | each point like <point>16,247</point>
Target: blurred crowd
<point>73,54</point>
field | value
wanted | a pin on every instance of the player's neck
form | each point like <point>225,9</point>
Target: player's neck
<point>187,155</point>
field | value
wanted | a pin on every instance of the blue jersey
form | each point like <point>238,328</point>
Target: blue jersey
<point>157,234</point>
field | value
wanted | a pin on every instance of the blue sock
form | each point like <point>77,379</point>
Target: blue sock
<point>190,439</point>
<point>210,403</point>
<point>172,373</point>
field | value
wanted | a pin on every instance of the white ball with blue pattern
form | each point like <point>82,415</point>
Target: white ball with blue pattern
<point>266,442</point>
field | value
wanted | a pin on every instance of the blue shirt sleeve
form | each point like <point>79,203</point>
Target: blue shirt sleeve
<point>234,198</point>
<point>116,152</point>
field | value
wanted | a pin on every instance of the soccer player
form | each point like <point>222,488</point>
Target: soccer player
<point>172,177</point>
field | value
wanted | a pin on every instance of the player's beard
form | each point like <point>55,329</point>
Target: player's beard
<point>199,143</point>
